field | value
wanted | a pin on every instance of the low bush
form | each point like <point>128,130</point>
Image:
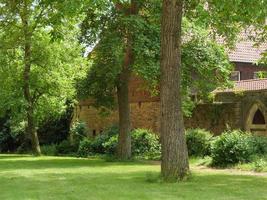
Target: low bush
<point>198,142</point>
<point>146,144</point>
<point>110,146</point>
<point>99,141</point>
<point>49,150</point>
<point>85,148</point>
<point>258,145</point>
<point>78,131</point>
<point>66,148</point>
<point>259,165</point>
<point>101,144</point>
<point>230,148</point>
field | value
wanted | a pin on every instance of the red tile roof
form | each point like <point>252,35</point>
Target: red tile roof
<point>245,85</point>
<point>246,52</point>
<point>245,49</point>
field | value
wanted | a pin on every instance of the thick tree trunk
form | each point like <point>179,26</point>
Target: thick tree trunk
<point>174,164</point>
<point>124,146</point>
<point>31,129</point>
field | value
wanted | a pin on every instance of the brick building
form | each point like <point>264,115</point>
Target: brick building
<point>243,106</point>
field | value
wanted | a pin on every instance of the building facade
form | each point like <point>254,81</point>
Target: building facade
<point>241,107</point>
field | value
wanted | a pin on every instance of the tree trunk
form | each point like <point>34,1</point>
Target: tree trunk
<point>174,164</point>
<point>31,128</point>
<point>124,146</point>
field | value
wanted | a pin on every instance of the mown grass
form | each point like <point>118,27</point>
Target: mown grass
<point>26,177</point>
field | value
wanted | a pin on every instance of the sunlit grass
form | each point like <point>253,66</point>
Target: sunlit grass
<point>26,177</point>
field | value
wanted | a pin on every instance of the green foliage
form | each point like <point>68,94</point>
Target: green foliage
<point>231,147</point>
<point>258,145</point>
<point>111,145</point>
<point>145,144</point>
<point>49,28</point>
<point>78,131</point>
<point>101,144</point>
<point>85,148</point>
<point>101,139</point>
<point>66,148</point>
<point>259,165</point>
<point>198,142</point>
<point>49,150</point>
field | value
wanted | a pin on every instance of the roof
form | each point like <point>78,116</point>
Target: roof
<point>245,50</point>
<point>245,86</point>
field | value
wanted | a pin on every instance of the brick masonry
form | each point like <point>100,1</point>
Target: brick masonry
<point>230,111</point>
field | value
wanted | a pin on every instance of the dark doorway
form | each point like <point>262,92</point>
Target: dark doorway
<point>258,118</point>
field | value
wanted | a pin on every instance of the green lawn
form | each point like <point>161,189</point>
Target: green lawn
<point>25,177</point>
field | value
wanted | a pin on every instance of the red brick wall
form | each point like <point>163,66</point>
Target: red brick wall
<point>247,70</point>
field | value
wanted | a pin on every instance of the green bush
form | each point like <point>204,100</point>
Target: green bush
<point>79,131</point>
<point>110,146</point>
<point>99,141</point>
<point>66,148</point>
<point>101,144</point>
<point>146,144</point>
<point>230,148</point>
<point>258,145</point>
<point>198,142</point>
<point>259,165</point>
<point>85,148</point>
<point>49,150</point>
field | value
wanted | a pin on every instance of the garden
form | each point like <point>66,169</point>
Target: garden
<point>65,66</point>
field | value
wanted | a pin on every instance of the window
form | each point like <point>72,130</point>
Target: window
<point>235,76</point>
<point>259,74</point>
<point>258,118</point>
<point>94,133</point>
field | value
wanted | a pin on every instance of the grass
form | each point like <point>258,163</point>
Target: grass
<point>258,166</point>
<point>26,177</point>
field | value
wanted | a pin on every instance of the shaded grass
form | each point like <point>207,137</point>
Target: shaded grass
<point>26,177</point>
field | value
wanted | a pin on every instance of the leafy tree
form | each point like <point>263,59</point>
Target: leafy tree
<point>121,31</point>
<point>105,26</point>
<point>220,17</point>
<point>37,67</point>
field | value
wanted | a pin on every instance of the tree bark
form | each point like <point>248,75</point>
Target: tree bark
<point>124,146</point>
<point>174,164</point>
<point>31,128</point>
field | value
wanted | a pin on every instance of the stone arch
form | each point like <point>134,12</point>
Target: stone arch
<point>256,119</point>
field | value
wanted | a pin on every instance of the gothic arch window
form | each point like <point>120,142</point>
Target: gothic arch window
<point>258,118</point>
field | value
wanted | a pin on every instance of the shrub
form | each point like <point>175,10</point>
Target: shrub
<point>259,165</point>
<point>198,142</point>
<point>85,148</point>
<point>66,148</point>
<point>258,145</point>
<point>230,148</point>
<point>49,150</point>
<point>101,139</point>
<point>110,146</point>
<point>78,131</point>
<point>104,143</point>
<point>146,144</point>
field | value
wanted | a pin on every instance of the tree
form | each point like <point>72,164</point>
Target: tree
<point>37,67</point>
<point>222,18</point>
<point>204,59</point>
<point>174,151</point>
<point>117,27</point>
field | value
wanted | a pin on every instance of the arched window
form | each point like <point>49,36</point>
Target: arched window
<point>258,118</point>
